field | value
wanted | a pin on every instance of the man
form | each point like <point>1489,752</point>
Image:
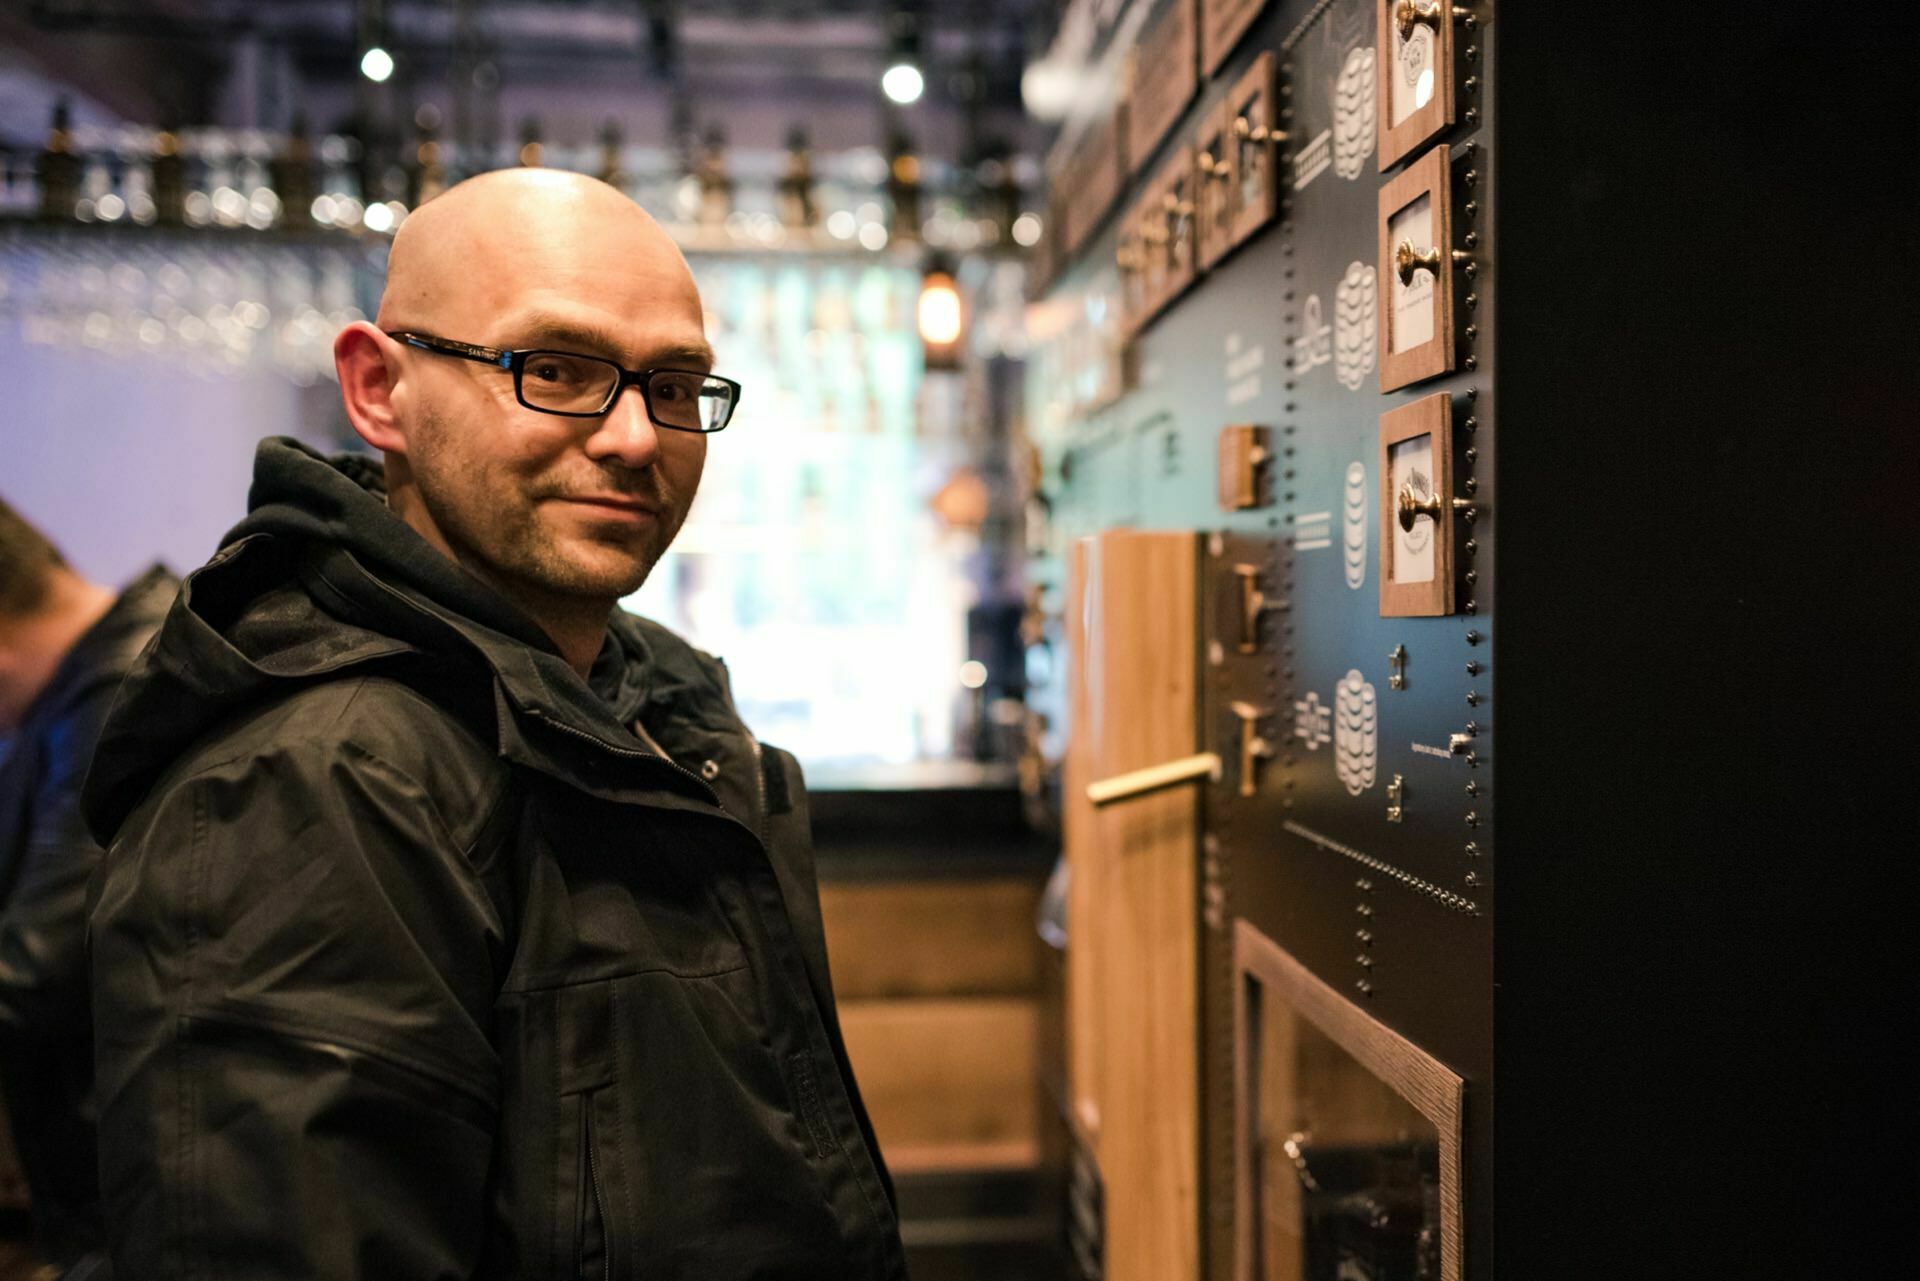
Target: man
<point>65,644</point>
<point>452,924</point>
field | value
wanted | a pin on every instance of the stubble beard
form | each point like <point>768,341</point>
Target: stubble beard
<point>508,544</point>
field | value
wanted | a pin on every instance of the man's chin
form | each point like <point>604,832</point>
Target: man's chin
<point>601,572</point>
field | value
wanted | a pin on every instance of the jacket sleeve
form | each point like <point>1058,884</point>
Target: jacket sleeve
<point>294,962</point>
<point>43,967</point>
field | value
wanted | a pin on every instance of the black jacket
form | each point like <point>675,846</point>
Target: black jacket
<point>46,856</point>
<point>412,960</point>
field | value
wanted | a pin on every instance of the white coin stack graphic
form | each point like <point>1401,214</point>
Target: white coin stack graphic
<point>1353,521</point>
<point>1353,108</point>
<point>1353,325</point>
<point>1356,734</point>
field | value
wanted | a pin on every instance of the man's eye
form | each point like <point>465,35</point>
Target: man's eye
<point>545,371</point>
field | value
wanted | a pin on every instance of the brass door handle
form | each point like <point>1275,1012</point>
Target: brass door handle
<point>1154,778</point>
<point>1253,747</point>
<point>1425,13</point>
<point>1253,601</point>
<point>1407,260</point>
<point>1412,507</point>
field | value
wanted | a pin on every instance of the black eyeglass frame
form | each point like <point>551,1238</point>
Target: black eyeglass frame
<point>515,362</point>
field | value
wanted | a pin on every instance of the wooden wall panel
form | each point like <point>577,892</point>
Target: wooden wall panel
<point>949,1084</point>
<point>1132,946</point>
<point>932,937</point>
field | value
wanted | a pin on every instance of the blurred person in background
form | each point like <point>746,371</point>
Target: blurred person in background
<point>453,924</point>
<point>65,645</point>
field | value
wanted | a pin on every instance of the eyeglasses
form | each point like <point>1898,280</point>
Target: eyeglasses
<point>576,386</point>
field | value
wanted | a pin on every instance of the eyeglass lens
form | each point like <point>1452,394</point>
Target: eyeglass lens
<point>570,384</point>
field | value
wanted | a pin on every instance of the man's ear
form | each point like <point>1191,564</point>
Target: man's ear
<point>368,364</point>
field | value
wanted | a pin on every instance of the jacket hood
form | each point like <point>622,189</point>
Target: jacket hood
<point>321,581</point>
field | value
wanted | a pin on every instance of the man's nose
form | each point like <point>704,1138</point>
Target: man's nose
<point>625,433</point>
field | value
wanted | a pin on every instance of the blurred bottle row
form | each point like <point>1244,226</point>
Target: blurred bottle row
<point>713,198</point>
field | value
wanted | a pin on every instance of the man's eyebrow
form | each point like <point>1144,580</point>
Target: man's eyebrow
<point>541,330</point>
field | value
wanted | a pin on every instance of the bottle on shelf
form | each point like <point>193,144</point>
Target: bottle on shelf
<point>291,174</point>
<point>59,167</point>
<point>797,209</point>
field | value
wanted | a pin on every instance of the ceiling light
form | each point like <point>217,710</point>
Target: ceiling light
<point>376,64</point>
<point>903,83</point>
<point>939,311</point>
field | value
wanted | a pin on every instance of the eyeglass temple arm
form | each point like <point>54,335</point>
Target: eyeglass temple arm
<point>448,347</point>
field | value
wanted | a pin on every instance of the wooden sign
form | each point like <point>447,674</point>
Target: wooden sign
<point>1213,184</point>
<point>1253,127</point>
<point>1164,225</point>
<point>1414,44</point>
<point>1087,176</point>
<point>1417,263</point>
<point>1418,513</point>
<point>1243,459</point>
<point>1163,75</point>
<point>1222,23</point>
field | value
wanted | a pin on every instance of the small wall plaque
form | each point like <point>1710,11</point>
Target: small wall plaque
<point>1253,130</point>
<point>1222,23</point>
<point>1214,187</point>
<point>1417,262</point>
<point>1243,458</point>
<point>1418,512</point>
<point>1163,75</point>
<point>1415,44</point>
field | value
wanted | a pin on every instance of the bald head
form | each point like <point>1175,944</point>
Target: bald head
<point>471,250</point>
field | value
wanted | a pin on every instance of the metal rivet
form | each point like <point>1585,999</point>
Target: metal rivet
<point>1473,638</point>
<point>709,770</point>
<point>1473,698</point>
<point>1473,669</point>
<point>1470,547</point>
<point>1473,819</point>
<point>1473,878</point>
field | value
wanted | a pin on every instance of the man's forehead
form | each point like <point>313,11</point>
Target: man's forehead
<point>644,336</point>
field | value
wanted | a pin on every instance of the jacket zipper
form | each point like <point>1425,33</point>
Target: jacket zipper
<point>599,1203</point>
<point>760,787</point>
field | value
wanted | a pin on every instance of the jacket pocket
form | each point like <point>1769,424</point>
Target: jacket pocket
<point>592,1253</point>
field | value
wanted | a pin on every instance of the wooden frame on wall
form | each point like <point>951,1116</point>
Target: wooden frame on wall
<point>1255,147</point>
<point>1163,74</point>
<point>1434,1090</point>
<point>1214,182</point>
<point>1416,315</point>
<point>1222,23</point>
<point>1416,572</point>
<point>1403,64</point>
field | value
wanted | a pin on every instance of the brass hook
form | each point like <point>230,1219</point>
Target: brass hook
<point>1412,507</point>
<point>1414,13</point>
<point>1407,260</point>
